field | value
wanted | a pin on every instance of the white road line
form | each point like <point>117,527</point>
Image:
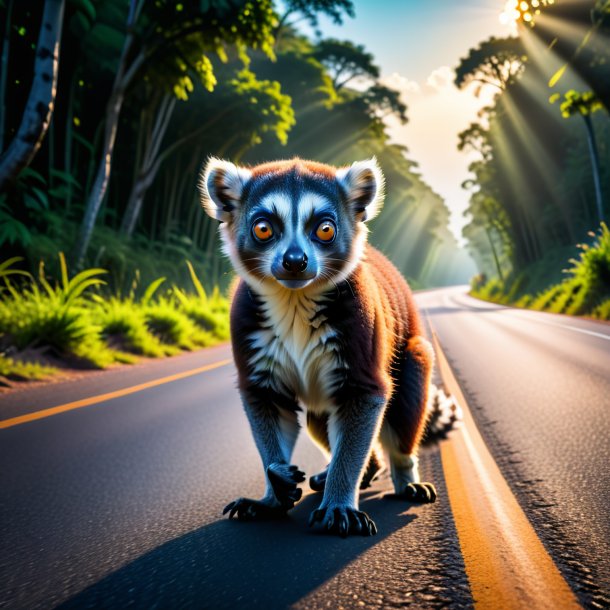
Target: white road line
<point>567,326</point>
<point>519,313</point>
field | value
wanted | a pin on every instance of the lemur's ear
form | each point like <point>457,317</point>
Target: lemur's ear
<point>363,184</point>
<point>221,186</point>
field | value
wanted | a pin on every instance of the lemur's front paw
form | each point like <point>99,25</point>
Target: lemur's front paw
<point>421,493</point>
<point>284,479</point>
<point>253,510</point>
<point>343,520</point>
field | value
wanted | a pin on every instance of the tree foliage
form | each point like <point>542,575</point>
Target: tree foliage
<point>192,79</point>
<point>539,183</point>
<point>346,61</point>
<point>496,62</point>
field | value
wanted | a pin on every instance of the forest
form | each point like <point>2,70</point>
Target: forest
<point>540,170</point>
<point>108,110</point>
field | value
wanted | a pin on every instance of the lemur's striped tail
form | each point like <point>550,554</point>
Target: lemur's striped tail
<point>444,412</point>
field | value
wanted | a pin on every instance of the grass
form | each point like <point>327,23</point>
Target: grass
<point>76,320</point>
<point>24,371</point>
<point>586,292</point>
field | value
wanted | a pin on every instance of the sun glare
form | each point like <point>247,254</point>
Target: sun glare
<point>526,11</point>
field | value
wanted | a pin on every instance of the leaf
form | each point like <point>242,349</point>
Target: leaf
<point>79,25</point>
<point>198,286</point>
<point>41,196</point>
<point>59,192</point>
<point>13,231</point>
<point>31,202</point>
<point>557,76</point>
<point>64,271</point>
<point>150,291</point>
<point>85,7</point>
<point>28,172</point>
<point>83,142</point>
<point>66,177</point>
<point>43,281</point>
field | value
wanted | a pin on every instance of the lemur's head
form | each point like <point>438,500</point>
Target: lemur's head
<point>296,223</point>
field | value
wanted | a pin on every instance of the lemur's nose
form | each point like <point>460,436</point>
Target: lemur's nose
<point>295,260</point>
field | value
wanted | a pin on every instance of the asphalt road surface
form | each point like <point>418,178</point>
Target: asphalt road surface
<point>539,388</point>
<point>119,503</point>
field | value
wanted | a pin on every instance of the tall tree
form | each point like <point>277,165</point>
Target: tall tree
<point>346,61</point>
<point>253,107</point>
<point>156,32</point>
<point>585,104</point>
<point>496,62</point>
<point>309,10</point>
<point>39,108</point>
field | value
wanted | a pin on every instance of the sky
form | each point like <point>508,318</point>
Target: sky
<point>417,44</point>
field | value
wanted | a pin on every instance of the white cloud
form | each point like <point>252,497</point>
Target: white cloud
<point>441,79</point>
<point>401,83</point>
<point>436,116</point>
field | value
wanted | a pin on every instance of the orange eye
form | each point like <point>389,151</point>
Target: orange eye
<point>262,230</point>
<point>326,231</point>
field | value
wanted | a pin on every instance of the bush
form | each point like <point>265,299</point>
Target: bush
<point>172,326</point>
<point>73,319</point>
<point>587,291</point>
<point>55,317</point>
<point>123,323</point>
<point>492,291</point>
<point>592,272</point>
<point>22,371</point>
<point>602,312</point>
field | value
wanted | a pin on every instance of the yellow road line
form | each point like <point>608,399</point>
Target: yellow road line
<point>92,400</point>
<point>506,564</point>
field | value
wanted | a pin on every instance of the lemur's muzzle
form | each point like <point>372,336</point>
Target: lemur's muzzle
<point>294,270</point>
<point>295,260</point>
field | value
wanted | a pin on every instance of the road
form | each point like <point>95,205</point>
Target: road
<point>539,388</point>
<point>118,503</point>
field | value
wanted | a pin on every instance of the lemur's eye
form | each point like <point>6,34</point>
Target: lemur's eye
<point>326,231</point>
<point>262,230</point>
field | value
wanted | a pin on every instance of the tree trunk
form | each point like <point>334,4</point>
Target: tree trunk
<point>100,184</point>
<point>150,166</point>
<point>595,164</point>
<point>39,107</point>
<point>495,254</point>
<point>122,80</point>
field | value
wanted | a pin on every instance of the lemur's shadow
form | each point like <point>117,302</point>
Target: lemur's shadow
<point>230,564</point>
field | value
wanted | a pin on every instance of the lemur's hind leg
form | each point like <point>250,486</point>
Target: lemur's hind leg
<point>317,426</point>
<point>275,432</point>
<point>405,421</point>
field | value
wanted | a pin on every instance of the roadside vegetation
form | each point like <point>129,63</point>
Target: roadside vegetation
<point>540,158</point>
<point>584,292</point>
<point>47,323</point>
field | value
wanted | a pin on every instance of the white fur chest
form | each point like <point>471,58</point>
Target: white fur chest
<point>295,350</point>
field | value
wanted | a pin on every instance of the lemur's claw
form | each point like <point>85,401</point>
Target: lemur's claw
<point>422,493</point>
<point>343,521</point>
<point>253,510</point>
<point>284,479</point>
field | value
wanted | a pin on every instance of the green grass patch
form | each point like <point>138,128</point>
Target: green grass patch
<point>24,371</point>
<point>585,292</point>
<point>77,320</point>
<point>602,312</point>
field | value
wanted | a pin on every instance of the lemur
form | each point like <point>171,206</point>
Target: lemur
<point>320,319</point>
